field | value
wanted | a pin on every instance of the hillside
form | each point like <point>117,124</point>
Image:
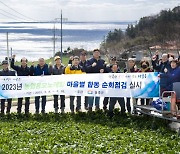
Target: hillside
<point>149,31</point>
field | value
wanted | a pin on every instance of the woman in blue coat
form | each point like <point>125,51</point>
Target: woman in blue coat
<point>171,76</point>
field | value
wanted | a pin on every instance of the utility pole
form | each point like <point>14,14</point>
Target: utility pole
<point>54,42</point>
<point>7,35</point>
<point>11,53</point>
<point>61,36</point>
<point>61,22</point>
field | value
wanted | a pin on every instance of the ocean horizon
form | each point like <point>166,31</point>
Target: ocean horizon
<point>34,39</point>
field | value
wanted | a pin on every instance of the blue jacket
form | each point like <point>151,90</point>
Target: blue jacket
<point>167,79</point>
<point>38,71</point>
<point>99,65</point>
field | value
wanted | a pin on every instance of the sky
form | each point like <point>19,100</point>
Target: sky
<point>83,10</point>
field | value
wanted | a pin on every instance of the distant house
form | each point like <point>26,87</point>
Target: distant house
<point>172,47</point>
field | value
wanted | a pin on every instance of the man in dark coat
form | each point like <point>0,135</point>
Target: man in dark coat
<point>108,70</point>
<point>22,70</point>
<point>162,65</point>
<point>95,65</point>
<point>6,72</point>
<point>113,100</point>
<point>83,62</point>
<point>131,68</point>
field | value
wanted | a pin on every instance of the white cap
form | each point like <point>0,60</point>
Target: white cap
<point>131,59</point>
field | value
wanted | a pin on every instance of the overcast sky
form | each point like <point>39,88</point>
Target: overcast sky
<point>85,10</point>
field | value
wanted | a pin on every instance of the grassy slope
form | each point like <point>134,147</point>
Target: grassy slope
<point>85,133</point>
<point>65,60</point>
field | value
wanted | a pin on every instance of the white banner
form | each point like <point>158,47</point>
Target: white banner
<point>138,85</point>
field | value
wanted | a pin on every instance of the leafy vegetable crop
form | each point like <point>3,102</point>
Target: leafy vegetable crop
<point>86,133</point>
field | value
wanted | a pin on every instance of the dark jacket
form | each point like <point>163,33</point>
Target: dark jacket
<point>38,71</point>
<point>7,73</point>
<point>116,72</point>
<point>108,69</point>
<point>55,71</point>
<point>160,67</point>
<point>148,69</point>
<point>100,65</point>
<point>20,70</point>
<point>83,65</point>
<point>167,79</point>
<point>132,70</point>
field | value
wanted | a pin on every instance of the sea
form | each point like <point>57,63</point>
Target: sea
<point>34,40</point>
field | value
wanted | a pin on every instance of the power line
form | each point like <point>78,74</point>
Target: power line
<point>8,16</point>
<point>13,15</point>
<point>17,11</point>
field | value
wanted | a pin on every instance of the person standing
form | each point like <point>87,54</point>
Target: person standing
<point>131,68</point>
<point>113,100</point>
<point>22,70</point>
<point>40,70</point>
<point>145,67</point>
<point>58,69</point>
<point>6,72</point>
<point>75,68</point>
<point>95,65</point>
<point>83,62</point>
<point>172,76</point>
<point>161,66</point>
<point>109,70</point>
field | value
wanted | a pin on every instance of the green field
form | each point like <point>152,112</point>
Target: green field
<point>65,60</point>
<point>86,133</point>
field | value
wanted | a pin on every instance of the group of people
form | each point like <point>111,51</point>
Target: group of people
<point>167,66</point>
